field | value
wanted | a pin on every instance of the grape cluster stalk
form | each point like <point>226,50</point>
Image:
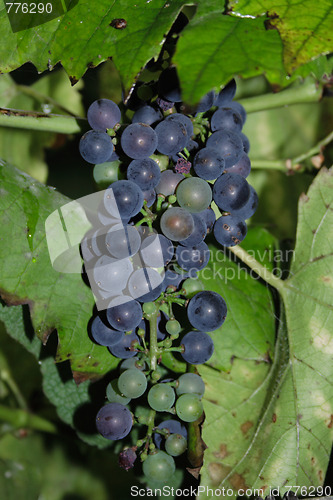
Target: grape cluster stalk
<point>164,171</point>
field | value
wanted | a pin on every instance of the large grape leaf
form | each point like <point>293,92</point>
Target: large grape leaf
<point>83,37</point>
<point>286,414</point>
<point>57,300</point>
<point>70,399</point>
<point>305,28</point>
<point>250,322</point>
<point>212,48</point>
<point>237,47</point>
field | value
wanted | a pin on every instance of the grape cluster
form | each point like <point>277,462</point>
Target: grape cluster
<point>143,258</point>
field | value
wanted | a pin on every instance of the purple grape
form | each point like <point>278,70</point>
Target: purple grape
<point>138,141</point>
<point>206,311</point>
<point>198,347</point>
<point>104,335</point>
<point>114,421</point>
<point>103,114</point>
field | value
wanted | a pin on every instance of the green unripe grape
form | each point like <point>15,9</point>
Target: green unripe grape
<point>192,286</point>
<point>161,397</point>
<point>132,363</point>
<point>114,395</point>
<point>175,445</point>
<point>132,383</point>
<point>149,307</point>
<point>161,160</point>
<point>159,466</point>
<point>106,173</point>
<point>194,194</point>
<point>172,199</point>
<point>189,407</point>
<point>173,326</point>
<point>155,375</point>
<point>190,383</point>
<point>167,343</point>
<point>141,333</point>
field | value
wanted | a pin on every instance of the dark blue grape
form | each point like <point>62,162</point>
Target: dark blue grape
<point>229,230</point>
<point>199,232</point>
<point>246,142</point>
<point>103,114</point>
<point>138,141</point>
<point>156,250</point>
<point>95,147</point>
<point>185,120</point>
<point>227,94</point>
<point>123,199</point>
<point>193,258</point>
<point>209,217</point>
<point>208,163</point>
<point>206,102</point>
<point>228,143</point>
<point>145,284</point>
<point>114,421</point>
<point>250,206</point>
<point>239,108</point>
<point>227,119</point>
<point>103,334</point>
<point>206,311</point>
<point>231,192</point>
<point>242,167</point>
<point>114,156</point>
<point>122,241</point>
<point>168,85</point>
<point>145,173</point>
<point>172,137</point>
<point>150,197</point>
<point>87,250</point>
<point>124,348</point>
<point>168,183</point>
<point>198,347</point>
<point>112,274</point>
<point>173,427</point>
<point>147,114</point>
<point>172,279</point>
<point>124,313</point>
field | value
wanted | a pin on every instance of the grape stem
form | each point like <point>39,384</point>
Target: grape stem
<point>295,163</point>
<point>151,425</point>
<point>154,350</point>
<point>42,98</point>
<point>309,91</point>
<point>261,270</point>
<point>19,419</point>
<point>6,377</point>
<point>33,120</point>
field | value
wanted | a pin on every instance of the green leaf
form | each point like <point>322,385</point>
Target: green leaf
<point>19,479</point>
<point>305,28</point>
<point>250,322</point>
<point>286,413</point>
<point>58,383</point>
<point>57,300</point>
<point>83,37</point>
<point>60,467</point>
<point>237,47</point>
<point>52,92</point>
